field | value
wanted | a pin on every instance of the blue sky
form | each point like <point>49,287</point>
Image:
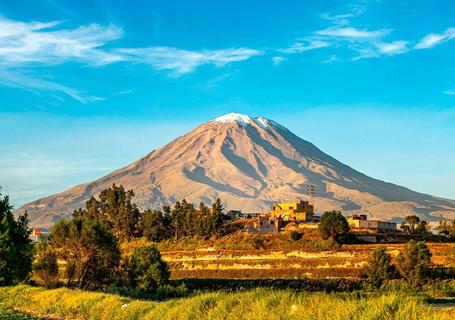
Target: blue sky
<point>88,87</point>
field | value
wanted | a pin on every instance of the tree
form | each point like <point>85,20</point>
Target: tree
<point>217,217</point>
<point>447,228</point>
<point>422,227</point>
<point>414,262</point>
<point>177,215</point>
<point>155,225</point>
<point>115,209</point>
<point>16,249</point>
<point>379,267</point>
<point>45,266</point>
<point>333,225</point>
<point>147,271</point>
<point>90,251</point>
<point>410,223</point>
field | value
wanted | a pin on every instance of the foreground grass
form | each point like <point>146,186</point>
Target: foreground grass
<point>7,313</point>
<point>253,304</point>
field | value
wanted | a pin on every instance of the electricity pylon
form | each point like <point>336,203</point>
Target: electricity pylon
<point>311,191</point>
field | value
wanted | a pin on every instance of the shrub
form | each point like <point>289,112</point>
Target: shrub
<point>379,267</point>
<point>295,235</point>
<point>90,251</point>
<point>45,266</point>
<point>333,225</point>
<point>414,262</point>
<point>258,243</point>
<point>147,271</point>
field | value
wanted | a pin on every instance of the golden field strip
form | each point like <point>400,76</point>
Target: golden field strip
<point>295,262</point>
<point>254,304</point>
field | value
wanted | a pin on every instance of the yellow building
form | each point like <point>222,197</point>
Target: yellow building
<point>298,211</point>
<point>355,221</point>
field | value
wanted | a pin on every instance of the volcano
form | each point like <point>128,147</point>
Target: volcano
<point>249,163</point>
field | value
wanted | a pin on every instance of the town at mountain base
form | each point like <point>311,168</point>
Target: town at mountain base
<point>249,163</point>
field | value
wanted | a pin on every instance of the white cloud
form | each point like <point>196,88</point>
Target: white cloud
<point>25,45</point>
<point>180,62</point>
<point>366,43</point>
<point>331,58</point>
<point>277,60</point>
<point>299,47</point>
<point>392,48</point>
<point>123,92</point>
<point>34,42</point>
<point>337,17</point>
<point>18,80</point>
<point>351,33</point>
<point>39,43</point>
<point>433,39</point>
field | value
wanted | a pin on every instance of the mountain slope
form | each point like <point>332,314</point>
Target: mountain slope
<point>249,164</point>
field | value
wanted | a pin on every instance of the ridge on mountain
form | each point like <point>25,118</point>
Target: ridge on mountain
<point>249,163</point>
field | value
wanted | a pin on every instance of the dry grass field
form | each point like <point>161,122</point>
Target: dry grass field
<point>254,304</point>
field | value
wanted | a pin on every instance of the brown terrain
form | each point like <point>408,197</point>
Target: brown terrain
<point>249,163</point>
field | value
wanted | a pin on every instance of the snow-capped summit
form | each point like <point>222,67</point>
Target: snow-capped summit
<point>234,117</point>
<point>245,120</point>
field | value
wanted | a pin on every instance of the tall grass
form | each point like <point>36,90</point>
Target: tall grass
<point>252,304</point>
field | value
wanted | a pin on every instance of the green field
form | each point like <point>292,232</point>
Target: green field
<point>250,304</point>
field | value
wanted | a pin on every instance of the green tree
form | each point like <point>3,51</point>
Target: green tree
<point>90,251</point>
<point>155,225</point>
<point>147,271</point>
<point>333,225</point>
<point>410,223</point>
<point>414,262</point>
<point>186,221</point>
<point>45,266</point>
<point>379,267</point>
<point>116,210</point>
<point>217,217</point>
<point>16,250</point>
<point>177,216</point>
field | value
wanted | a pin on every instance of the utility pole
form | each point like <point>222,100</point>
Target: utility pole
<point>311,191</point>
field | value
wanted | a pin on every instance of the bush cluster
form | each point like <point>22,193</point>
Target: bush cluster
<point>413,264</point>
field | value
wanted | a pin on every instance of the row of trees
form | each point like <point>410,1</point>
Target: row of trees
<point>413,264</point>
<point>115,210</point>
